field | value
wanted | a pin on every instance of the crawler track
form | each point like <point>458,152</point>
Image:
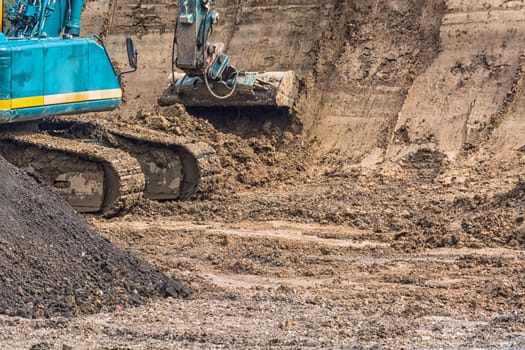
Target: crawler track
<point>112,180</point>
<point>175,167</point>
<point>200,165</point>
<point>107,170</point>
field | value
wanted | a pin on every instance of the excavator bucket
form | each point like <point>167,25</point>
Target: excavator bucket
<point>208,79</point>
<point>268,89</point>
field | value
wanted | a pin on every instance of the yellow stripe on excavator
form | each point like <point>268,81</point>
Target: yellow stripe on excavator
<point>71,97</point>
<point>27,102</point>
<point>82,96</point>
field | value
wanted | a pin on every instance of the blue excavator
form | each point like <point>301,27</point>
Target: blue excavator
<point>47,70</point>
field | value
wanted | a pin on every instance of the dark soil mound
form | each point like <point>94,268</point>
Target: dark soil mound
<point>53,263</point>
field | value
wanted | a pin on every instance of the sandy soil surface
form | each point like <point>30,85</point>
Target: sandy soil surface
<point>389,214</point>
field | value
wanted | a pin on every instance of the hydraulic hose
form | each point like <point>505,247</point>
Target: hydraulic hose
<point>173,53</point>
<point>214,94</point>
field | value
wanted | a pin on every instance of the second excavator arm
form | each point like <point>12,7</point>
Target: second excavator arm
<point>198,57</point>
<point>209,79</point>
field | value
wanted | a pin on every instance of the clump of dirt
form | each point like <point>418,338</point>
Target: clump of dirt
<point>53,263</point>
<point>425,163</point>
<point>515,196</point>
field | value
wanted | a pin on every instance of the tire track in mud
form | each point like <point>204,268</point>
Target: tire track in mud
<point>441,297</point>
<point>286,231</point>
<point>296,252</point>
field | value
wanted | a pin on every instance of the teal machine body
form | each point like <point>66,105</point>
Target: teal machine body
<point>46,69</point>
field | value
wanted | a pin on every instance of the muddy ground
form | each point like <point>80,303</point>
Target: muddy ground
<point>388,214</point>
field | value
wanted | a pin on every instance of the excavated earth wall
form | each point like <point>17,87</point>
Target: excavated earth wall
<point>385,79</point>
<point>469,89</point>
<point>379,80</point>
<point>426,92</point>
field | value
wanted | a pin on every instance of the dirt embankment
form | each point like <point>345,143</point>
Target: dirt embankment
<point>353,79</point>
<point>366,62</point>
<point>382,80</point>
<point>459,102</point>
<point>426,92</point>
<point>375,81</point>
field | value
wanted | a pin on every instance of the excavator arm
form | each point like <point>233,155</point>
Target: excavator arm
<point>208,78</point>
<point>198,57</point>
<point>194,25</point>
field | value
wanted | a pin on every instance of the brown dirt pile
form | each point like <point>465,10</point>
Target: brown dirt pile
<point>253,153</point>
<point>53,263</point>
